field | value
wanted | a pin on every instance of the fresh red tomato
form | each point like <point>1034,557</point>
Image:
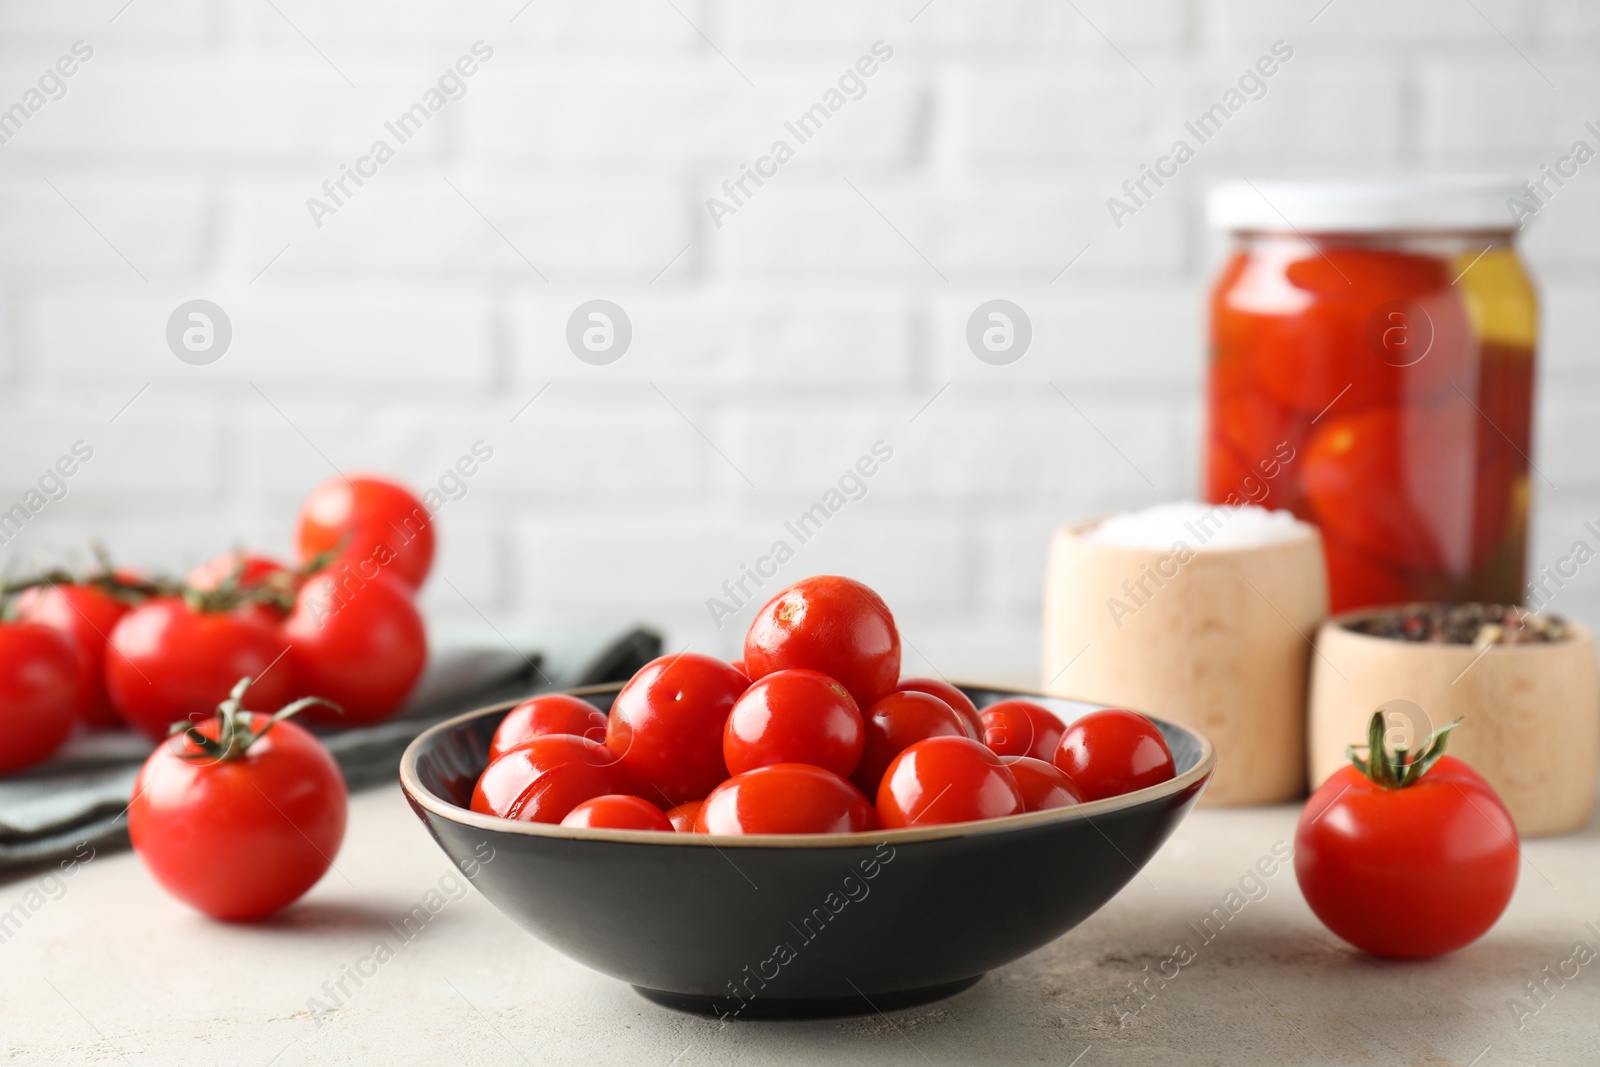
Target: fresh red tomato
<point>666,725</point>
<point>1415,857</point>
<point>244,824</point>
<point>834,625</point>
<point>552,713</point>
<point>41,692</point>
<point>738,665</point>
<point>793,716</point>
<point>544,778</point>
<point>684,815</point>
<point>616,811</point>
<point>1042,785</point>
<point>1112,751</point>
<point>786,798</point>
<point>1021,728</point>
<point>945,780</point>
<point>894,724</point>
<point>361,645</point>
<point>376,525</point>
<point>87,614</point>
<point>167,662</point>
<point>959,702</point>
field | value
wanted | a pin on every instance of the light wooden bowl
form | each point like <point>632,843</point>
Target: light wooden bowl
<point>1531,713</point>
<point>1220,644</point>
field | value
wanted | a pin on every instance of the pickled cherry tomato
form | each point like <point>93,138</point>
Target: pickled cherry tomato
<point>617,811</point>
<point>793,716</point>
<point>1042,785</point>
<point>897,722</point>
<point>959,702</point>
<point>553,713</point>
<point>1408,418</point>
<point>1110,752</point>
<point>684,815</point>
<point>1320,323</point>
<point>1357,580</point>
<point>666,725</point>
<point>786,798</point>
<point>543,779</point>
<point>945,780</point>
<point>834,625</point>
<point>1403,485</point>
<point>1021,728</point>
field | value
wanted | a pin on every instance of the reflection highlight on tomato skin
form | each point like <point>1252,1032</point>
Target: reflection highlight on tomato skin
<point>1113,751</point>
<point>946,780</point>
<point>544,778</point>
<point>786,798</point>
<point>794,716</point>
<point>666,725</point>
<point>1409,432</point>
<point>549,713</point>
<point>1041,784</point>
<point>897,722</point>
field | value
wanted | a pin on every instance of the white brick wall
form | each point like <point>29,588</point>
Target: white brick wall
<point>777,348</point>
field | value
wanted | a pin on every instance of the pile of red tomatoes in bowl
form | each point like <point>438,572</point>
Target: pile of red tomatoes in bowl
<point>115,647</point>
<point>813,732</point>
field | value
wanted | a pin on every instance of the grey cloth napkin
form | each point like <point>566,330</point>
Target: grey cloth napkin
<point>82,794</point>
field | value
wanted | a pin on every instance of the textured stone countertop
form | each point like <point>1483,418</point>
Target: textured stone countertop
<point>105,968</point>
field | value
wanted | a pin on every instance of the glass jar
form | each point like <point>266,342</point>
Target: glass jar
<point>1372,354</point>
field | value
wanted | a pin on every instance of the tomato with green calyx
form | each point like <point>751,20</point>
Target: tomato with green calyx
<point>1407,855</point>
<point>239,815</point>
<point>371,523</point>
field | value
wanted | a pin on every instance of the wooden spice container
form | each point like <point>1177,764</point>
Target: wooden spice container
<point>1218,641</point>
<point>1531,712</point>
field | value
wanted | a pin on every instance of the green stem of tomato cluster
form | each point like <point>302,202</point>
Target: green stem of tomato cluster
<point>277,590</point>
<point>235,734</point>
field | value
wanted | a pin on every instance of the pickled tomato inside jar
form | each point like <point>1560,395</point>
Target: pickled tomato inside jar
<point>1371,371</point>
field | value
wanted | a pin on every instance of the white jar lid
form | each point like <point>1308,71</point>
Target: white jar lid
<point>1430,202</point>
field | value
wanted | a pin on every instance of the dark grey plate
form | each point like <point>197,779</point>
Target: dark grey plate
<point>804,925</point>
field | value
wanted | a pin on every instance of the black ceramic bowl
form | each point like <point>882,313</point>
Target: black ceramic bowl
<point>797,926</point>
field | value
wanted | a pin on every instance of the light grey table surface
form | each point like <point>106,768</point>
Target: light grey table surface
<point>105,968</point>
